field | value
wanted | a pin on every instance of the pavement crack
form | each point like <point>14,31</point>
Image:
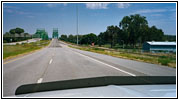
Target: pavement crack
<point>43,74</point>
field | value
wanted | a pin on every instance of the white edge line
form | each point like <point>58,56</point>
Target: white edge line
<point>106,64</point>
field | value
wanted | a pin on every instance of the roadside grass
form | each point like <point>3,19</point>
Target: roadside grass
<point>166,59</point>
<point>13,50</point>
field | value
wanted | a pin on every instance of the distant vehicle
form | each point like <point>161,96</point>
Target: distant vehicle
<point>110,86</point>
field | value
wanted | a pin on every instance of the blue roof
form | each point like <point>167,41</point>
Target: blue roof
<point>161,43</point>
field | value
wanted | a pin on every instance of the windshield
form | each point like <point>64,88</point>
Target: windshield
<point>89,44</point>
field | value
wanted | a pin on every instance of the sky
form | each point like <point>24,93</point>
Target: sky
<point>92,17</point>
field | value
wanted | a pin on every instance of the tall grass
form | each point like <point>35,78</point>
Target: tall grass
<point>13,50</point>
<point>163,59</point>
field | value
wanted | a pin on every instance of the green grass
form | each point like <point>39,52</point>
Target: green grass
<point>155,58</point>
<point>13,50</point>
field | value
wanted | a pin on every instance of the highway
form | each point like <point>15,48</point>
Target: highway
<point>60,62</point>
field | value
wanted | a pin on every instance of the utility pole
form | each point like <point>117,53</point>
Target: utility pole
<point>77,22</point>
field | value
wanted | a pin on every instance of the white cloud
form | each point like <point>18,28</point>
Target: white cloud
<point>10,7</point>
<point>9,11</point>
<point>51,5</point>
<point>30,16</point>
<point>21,12</point>
<point>172,10</point>
<point>150,11</point>
<point>155,15</point>
<point>16,11</point>
<point>65,4</point>
<point>97,5</point>
<point>123,5</point>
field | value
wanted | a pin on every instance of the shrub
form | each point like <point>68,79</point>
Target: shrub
<point>4,41</point>
<point>164,61</point>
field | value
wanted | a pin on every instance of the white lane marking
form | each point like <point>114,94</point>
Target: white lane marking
<point>50,61</point>
<point>106,64</point>
<point>40,80</point>
<point>164,90</point>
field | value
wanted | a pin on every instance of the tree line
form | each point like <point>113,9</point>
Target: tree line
<point>132,31</point>
<point>16,34</point>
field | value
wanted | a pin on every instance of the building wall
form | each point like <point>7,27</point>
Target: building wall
<point>148,47</point>
<point>163,48</point>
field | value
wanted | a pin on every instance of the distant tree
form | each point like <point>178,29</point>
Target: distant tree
<point>64,37</point>
<point>145,34</point>
<point>112,32</point>
<point>26,34</point>
<point>79,38</point>
<point>12,31</point>
<point>7,34</point>
<point>170,37</point>
<point>19,30</point>
<point>156,34</point>
<point>72,38</point>
<point>101,39</point>
<point>16,30</point>
<point>89,38</point>
<point>92,38</point>
<point>132,26</point>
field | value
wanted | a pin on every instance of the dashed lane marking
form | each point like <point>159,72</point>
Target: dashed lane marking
<point>40,80</point>
<point>50,61</point>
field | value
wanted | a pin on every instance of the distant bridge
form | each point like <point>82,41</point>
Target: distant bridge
<point>55,33</point>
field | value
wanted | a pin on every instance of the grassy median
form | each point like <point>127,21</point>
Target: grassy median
<point>167,59</point>
<point>13,50</point>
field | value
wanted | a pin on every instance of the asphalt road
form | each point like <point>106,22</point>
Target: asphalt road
<point>59,62</point>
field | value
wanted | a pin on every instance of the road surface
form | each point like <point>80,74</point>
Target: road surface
<point>59,62</point>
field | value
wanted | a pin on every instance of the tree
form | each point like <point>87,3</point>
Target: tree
<point>132,26</point>
<point>92,38</point>
<point>170,37</point>
<point>145,34</point>
<point>101,39</point>
<point>72,38</point>
<point>156,34</point>
<point>12,31</point>
<point>16,30</point>
<point>63,37</point>
<point>7,34</point>
<point>26,34</point>
<point>112,32</point>
<point>89,38</point>
<point>19,30</point>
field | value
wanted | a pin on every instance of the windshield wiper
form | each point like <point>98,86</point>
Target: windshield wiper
<point>94,82</point>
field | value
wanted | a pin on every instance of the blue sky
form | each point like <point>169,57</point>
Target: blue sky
<point>93,17</point>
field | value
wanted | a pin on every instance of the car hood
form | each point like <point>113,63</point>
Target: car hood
<point>110,86</point>
<point>111,91</point>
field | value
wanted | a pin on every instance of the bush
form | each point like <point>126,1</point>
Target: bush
<point>164,61</point>
<point>98,49</point>
<point>4,41</point>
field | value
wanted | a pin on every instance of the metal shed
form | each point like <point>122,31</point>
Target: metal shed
<point>159,46</point>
